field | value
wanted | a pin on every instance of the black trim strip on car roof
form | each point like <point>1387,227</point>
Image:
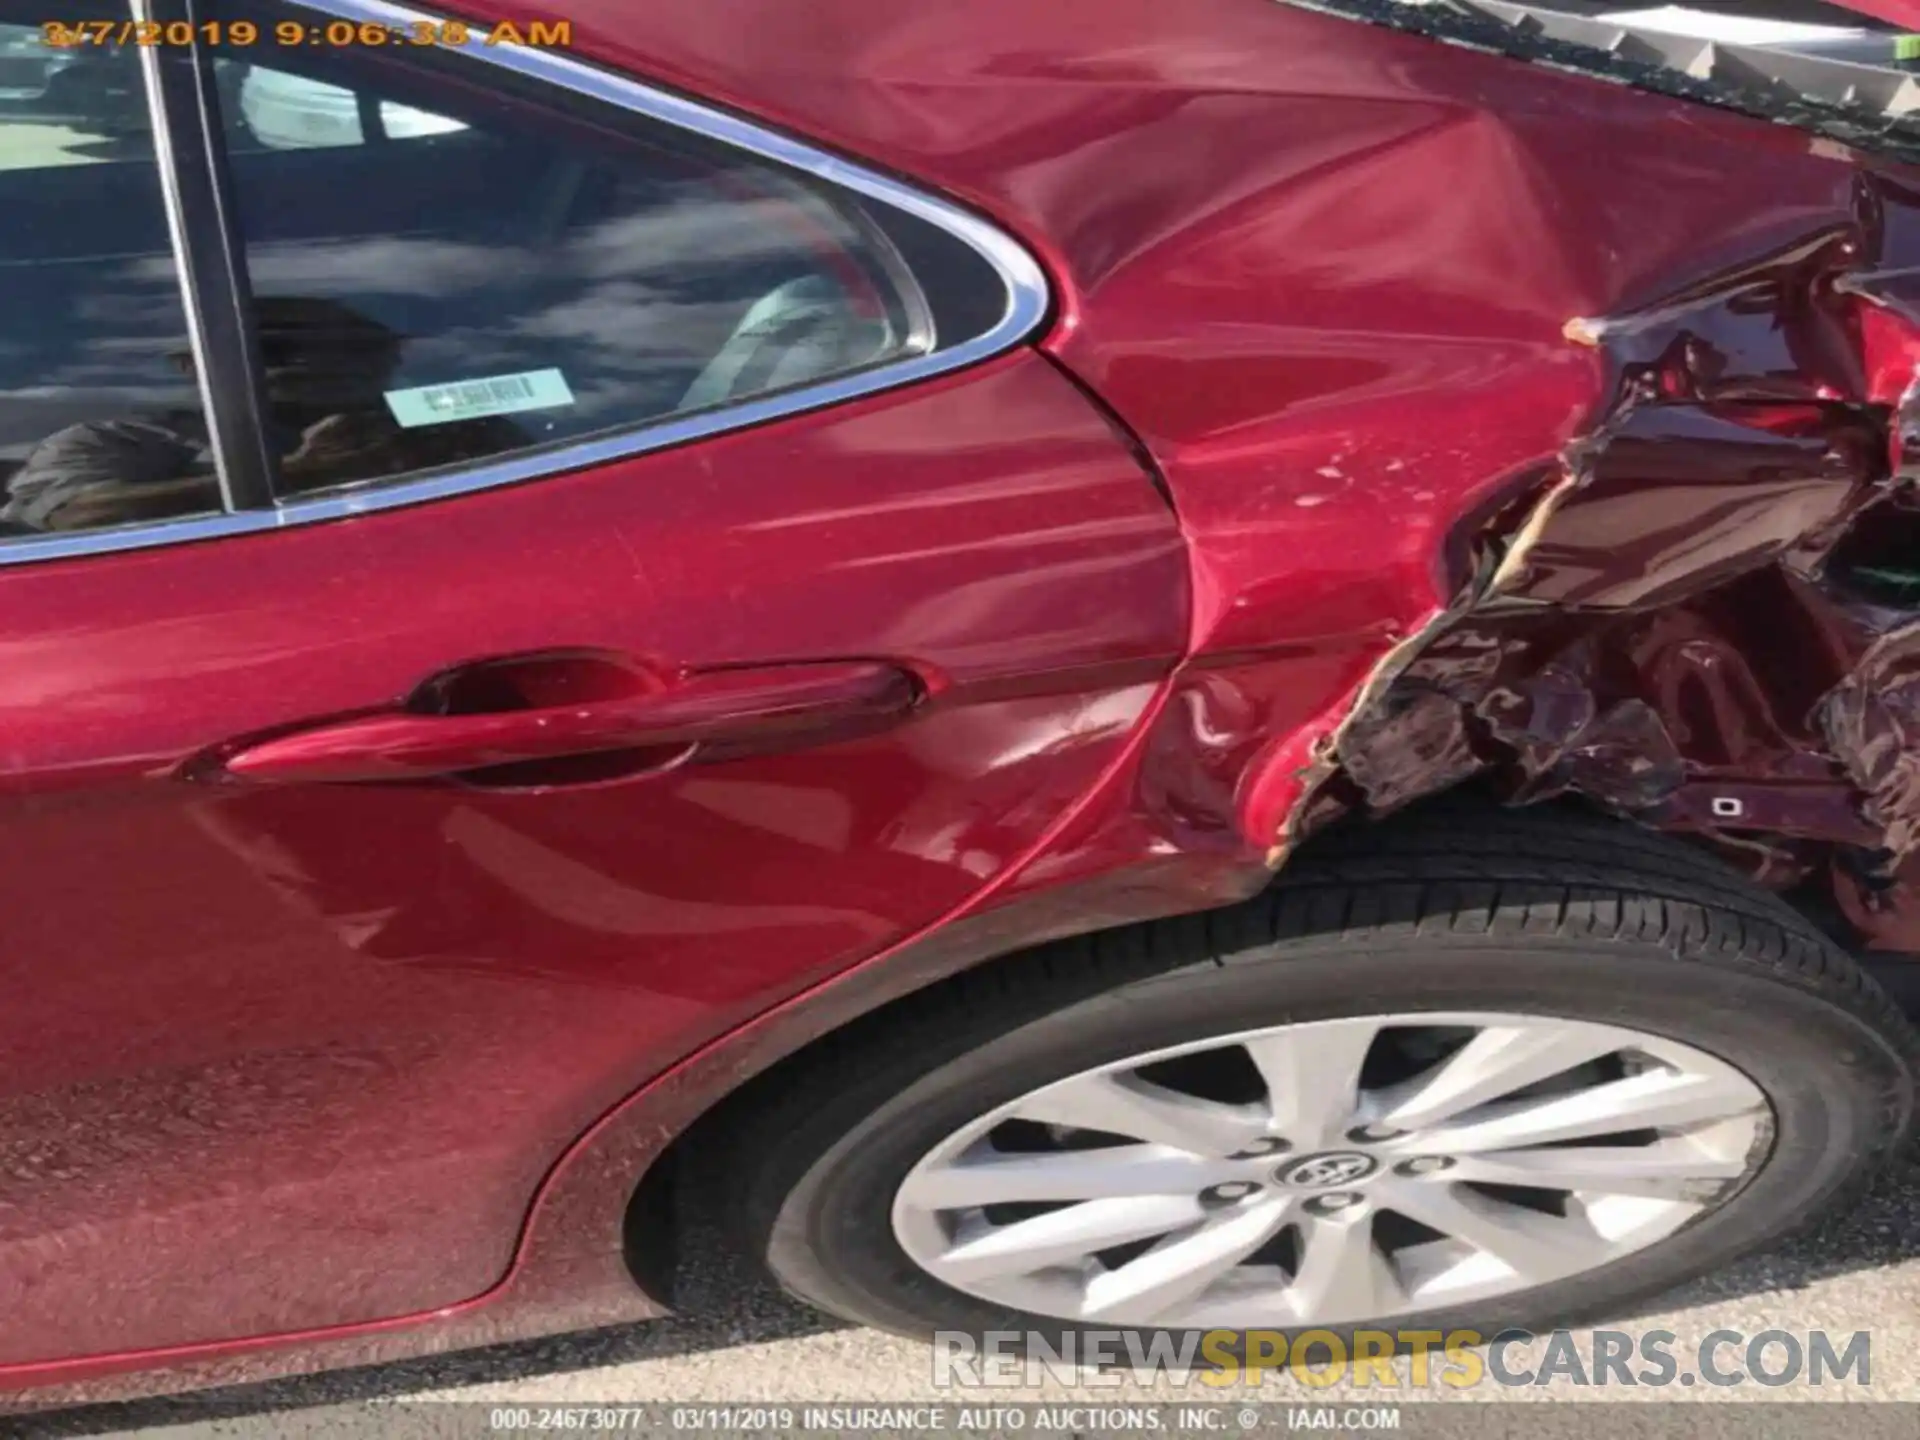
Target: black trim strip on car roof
<point>1867,107</point>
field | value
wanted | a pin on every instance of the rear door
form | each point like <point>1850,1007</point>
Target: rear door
<point>507,573</point>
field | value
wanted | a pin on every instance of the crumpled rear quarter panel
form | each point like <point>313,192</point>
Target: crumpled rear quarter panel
<point>1525,428</point>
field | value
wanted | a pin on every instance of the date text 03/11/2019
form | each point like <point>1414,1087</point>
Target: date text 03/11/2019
<point>338,34</point>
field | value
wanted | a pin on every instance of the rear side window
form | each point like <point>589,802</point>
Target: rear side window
<point>445,273</point>
<point>446,268</point>
<point>100,415</point>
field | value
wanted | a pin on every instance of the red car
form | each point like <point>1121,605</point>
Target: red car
<point>1104,663</point>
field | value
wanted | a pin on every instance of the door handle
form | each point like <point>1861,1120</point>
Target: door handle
<point>755,708</point>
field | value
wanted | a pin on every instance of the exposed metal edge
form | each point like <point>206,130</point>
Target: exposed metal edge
<point>1028,299</point>
<point>1860,106</point>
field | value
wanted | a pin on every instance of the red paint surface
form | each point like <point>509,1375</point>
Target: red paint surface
<point>291,1056</point>
<point>327,1045</point>
<point>1324,271</point>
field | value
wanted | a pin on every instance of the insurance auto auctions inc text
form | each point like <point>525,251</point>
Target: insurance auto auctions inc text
<point>1455,1359</point>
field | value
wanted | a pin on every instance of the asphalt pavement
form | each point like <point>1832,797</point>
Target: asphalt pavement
<point>737,1341</point>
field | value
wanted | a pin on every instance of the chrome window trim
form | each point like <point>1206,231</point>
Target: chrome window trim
<point>1028,298</point>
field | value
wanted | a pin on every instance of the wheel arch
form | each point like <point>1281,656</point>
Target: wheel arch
<point>1081,920</point>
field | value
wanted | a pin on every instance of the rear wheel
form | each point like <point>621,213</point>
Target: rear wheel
<point>1468,1072</point>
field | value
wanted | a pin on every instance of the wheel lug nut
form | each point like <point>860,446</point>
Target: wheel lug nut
<point>1227,1192</point>
<point>1424,1165</point>
<point>1371,1134</point>
<point>1330,1204</point>
<point>1266,1145</point>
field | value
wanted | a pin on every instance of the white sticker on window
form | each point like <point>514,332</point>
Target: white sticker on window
<point>469,399</point>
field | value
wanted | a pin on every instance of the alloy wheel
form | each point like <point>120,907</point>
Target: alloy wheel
<point>1333,1171</point>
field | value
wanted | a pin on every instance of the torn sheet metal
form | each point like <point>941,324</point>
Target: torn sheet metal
<point>1707,617</point>
<point>1872,722</point>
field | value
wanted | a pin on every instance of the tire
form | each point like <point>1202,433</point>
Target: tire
<point>1536,913</point>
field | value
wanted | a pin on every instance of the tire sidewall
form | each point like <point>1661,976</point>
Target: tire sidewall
<point>1838,1092</point>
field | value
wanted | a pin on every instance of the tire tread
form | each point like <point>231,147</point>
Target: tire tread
<point>1439,876</point>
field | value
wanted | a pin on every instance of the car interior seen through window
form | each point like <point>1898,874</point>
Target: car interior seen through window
<point>100,415</point>
<point>447,264</point>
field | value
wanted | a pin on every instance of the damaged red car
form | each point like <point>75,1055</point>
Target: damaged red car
<point>1236,664</point>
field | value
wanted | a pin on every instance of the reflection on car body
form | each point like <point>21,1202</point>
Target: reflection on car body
<point>1156,666</point>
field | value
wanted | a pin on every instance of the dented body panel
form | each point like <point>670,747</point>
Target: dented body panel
<point>1524,430</point>
<point>1516,418</point>
<point>1609,391</point>
<point>1383,314</point>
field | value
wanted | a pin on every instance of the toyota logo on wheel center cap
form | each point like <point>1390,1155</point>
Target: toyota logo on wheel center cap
<point>1336,1167</point>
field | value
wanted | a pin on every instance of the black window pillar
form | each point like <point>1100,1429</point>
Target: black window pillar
<point>188,140</point>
